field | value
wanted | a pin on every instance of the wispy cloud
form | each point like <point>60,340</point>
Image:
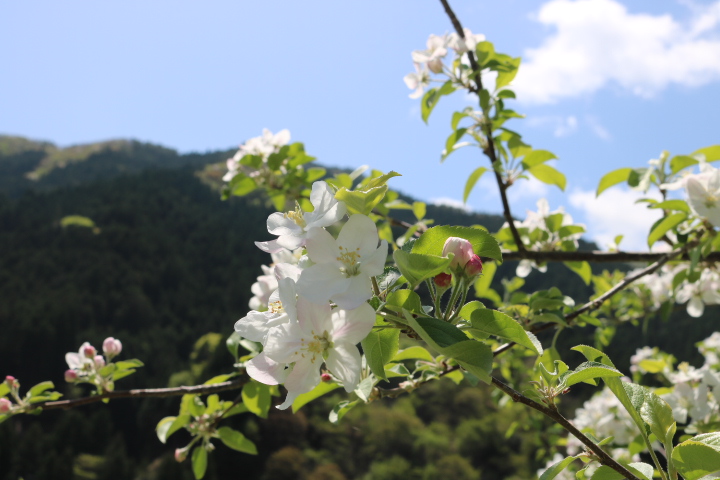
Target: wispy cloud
<point>598,42</point>
<point>450,202</point>
<point>615,213</point>
<point>560,126</point>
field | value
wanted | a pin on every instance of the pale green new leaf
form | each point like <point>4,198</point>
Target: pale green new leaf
<point>412,353</point>
<point>711,153</point>
<point>588,371</point>
<point>432,241</point>
<point>669,222</point>
<point>236,440</point>
<point>199,462</point>
<point>497,323</point>
<point>556,468</point>
<point>380,346</point>
<point>417,267</point>
<point>361,201</point>
<point>339,410</point>
<point>472,180</point>
<point>698,457</point>
<point>256,397</point>
<point>321,389</point>
<point>582,269</point>
<point>613,178</point>
<point>549,175</point>
<point>658,415</point>
<point>536,157</point>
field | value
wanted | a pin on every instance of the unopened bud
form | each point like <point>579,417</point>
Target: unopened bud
<point>5,405</point>
<point>443,280</point>
<point>461,248</point>
<point>99,361</point>
<point>88,350</point>
<point>180,454</point>
<point>325,377</point>
<point>71,376</point>
<point>474,266</point>
<point>112,347</point>
<point>10,381</point>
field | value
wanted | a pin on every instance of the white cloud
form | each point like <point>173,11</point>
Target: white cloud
<point>599,130</point>
<point>561,126</point>
<point>531,188</point>
<point>614,213</point>
<point>450,202</point>
<point>598,42</point>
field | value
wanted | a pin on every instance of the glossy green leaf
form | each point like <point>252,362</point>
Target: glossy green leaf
<point>668,223</point>
<point>549,175</point>
<point>379,180</point>
<point>416,267</point>
<point>680,162</point>
<point>419,209</point>
<point>472,180</point>
<point>169,425</point>
<point>589,371</point>
<point>256,398</point>
<point>679,205</point>
<point>582,269</point>
<point>641,470</point>
<point>537,157</point>
<point>406,299</point>
<point>698,457</point>
<point>711,153</point>
<point>613,178</point>
<point>339,410</point>
<point>380,346</point>
<point>40,388</point>
<point>432,241</point>
<point>4,389</point>
<point>361,201</point>
<point>447,339</point>
<point>497,323</point>
<point>132,363</point>
<point>556,468</point>
<point>431,98</point>
<point>236,440</point>
<point>199,462</point>
<point>412,353</point>
<point>321,389</point>
<point>658,415</point>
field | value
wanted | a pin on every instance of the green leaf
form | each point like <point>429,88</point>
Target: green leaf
<point>219,379</point>
<point>40,388</point>
<point>639,469</point>
<point>412,353</point>
<point>549,175</point>
<point>339,410</point>
<point>482,284</point>
<point>4,389</point>
<point>417,267</point>
<point>505,77</point>
<point>199,462</point>
<point>711,153</point>
<point>679,205</point>
<point>589,371</point>
<point>125,364</point>
<point>658,415</point>
<point>472,180</point>
<point>582,269</point>
<point>321,389</point>
<point>698,457</point>
<point>433,240</point>
<point>613,178</point>
<point>431,98</point>
<point>537,157</point>
<point>556,468</point>
<point>447,339</point>
<point>380,346</point>
<point>419,209</point>
<point>256,398</point>
<point>456,117</point>
<point>680,162</point>
<point>77,221</point>
<point>361,201</point>
<point>669,222</point>
<point>233,344</point>
<point>451,141</point>
<point>406,299</point>
<point>236,440</point>
<point>496,323</point>
<point>379,180</point>
<point>169,425</point>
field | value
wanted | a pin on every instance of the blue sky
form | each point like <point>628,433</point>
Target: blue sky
<point>604,83</point>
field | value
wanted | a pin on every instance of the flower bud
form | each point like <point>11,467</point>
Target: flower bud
<point>325,377</point>
<point>461,248</point>
<point>99,361</point>
<point>10,381</point>
<point>88,350</point>
<point>112,347</point>
<point>71,376</point>
<point>474,267</point>
<point>5,405</point>
<point>180,454</point>
<point>443,280</point>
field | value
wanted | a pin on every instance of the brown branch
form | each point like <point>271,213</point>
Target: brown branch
<point>602,456</point>
<point>145,393</point>
<point>596,256</point>
<point>487,126</point>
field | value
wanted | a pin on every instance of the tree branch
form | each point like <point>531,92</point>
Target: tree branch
<point>145,393</point>
<point>487,127</point>
<point>595,256</point>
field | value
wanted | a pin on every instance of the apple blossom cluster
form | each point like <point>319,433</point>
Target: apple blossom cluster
<point>262,146</point>
<point>704,289</point>
<point>267,283</point>
<point>318,312</point>
<point>88,366</point>
<point>702,190</point>
<point>545,231</point>
<point>431,60</point>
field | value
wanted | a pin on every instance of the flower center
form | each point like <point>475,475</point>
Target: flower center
<point>297,216</point>
<point>318,346</point>
<point>350,261</point>
<point>711,201</point>
<point>276,307</point>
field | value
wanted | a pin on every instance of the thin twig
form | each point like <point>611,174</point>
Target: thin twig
<point>596,256</point>
<point>145,393</point>
<point>487,126</point>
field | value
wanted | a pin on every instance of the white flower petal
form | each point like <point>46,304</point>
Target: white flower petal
<point>305,375</point>
<point>352,326</point>
<point>320,282</point>
<point>265,370</point>
<point>358,291</point>
<point>321,246</point>
<point>279,224</point>
<point>360,233</point>
<point>344,362</point>
<point>695,307</point>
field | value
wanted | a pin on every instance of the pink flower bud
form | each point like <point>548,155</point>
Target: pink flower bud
<point>71,376</point>
<point>99,361</point>
<point>180,454</point>
<point>10,381</point>
<point>88,350</point>
<point>443,280</point>
<point>112,347</point>
<point>5,405</point>
<point>461,248</point>
<point>474,266</point>
<point>325,377</point>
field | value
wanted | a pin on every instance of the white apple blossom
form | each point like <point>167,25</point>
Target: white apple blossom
<point>262,146</point>
<point>292,227</point>
<point>467,44</point>
<point>321,334</point>
<point>81,362</point>
<point>698,294</point>
<point>267,283</point>
<point>418,81</point>
<point>343,267</point>
<point>703,192</point>
<point>433,56</point>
